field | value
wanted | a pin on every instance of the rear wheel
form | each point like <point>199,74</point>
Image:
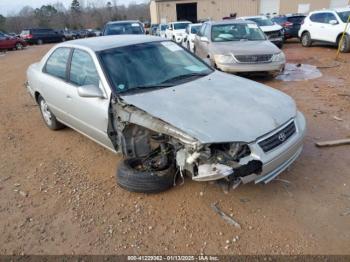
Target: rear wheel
<point>19,46</point>
<point>48,117</point>
<point>344,46</point>
<point>39,41</point>
<point>306,39</point>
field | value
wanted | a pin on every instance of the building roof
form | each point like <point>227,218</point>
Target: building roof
<point>112,41</point>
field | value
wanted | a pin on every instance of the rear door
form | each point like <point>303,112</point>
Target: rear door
<point>88,115</point>
<point>316,25</point>
<point>54,83</point>
<point>296,24</point>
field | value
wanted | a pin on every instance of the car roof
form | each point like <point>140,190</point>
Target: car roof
<point>180,22</point>
<point>101,43</point>
<point>122,22</point>
<point>256,16</point>
<point>342,9</point>
<point>230,21</point>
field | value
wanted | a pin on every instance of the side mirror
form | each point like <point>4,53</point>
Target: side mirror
<point>333,22</point>
<point>204,39</point>
<point>90,91</point>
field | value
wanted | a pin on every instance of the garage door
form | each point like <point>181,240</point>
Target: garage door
<point>339,3</point>
<point>269,7</point>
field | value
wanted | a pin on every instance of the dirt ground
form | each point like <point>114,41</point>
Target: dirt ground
<point>58,193</point>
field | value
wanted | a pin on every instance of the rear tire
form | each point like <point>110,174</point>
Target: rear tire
<point>48,117</point>
<point>39,42</point>
<point>142,181</point>
<point>344,46</point>
<point>19,46</point>
<point>306,39</point>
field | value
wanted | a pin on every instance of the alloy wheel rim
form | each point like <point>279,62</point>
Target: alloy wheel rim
<point>46,112</point>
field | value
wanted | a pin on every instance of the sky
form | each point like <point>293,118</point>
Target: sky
<point>8,7</point>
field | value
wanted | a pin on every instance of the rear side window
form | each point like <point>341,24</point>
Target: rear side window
<point>124,29</point>
<point>322,18</point>
<point>83,71</point>
<point>56,65</point>
<point>279,20</point>
<point>296,19</point>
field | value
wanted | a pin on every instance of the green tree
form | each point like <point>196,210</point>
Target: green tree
<point>2,22</point>
<point>44,14</point>
<point>75,6</point>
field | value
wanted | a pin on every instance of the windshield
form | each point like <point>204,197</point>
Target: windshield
<point>124,29</point>
<point>150,65</point>
<point>344,16</point>
<point>261,21</point>
<point>180,26</point>
<point>163,27</point>
<point>236,32</point>
<point>195,29</point>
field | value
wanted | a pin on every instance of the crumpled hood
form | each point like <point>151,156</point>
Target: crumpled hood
<point>218,108</point>
<point>270,28</point>
<point>244,48</point>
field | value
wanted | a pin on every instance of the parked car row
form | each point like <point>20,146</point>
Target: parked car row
<point>11,42</point>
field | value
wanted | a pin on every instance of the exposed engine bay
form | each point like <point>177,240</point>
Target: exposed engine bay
<point>136,134</point>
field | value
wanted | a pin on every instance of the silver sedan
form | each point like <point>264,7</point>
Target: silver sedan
<point>238,46</point>
<point>166,110</point>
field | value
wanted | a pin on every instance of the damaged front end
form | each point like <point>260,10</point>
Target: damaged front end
<point>137,134</point>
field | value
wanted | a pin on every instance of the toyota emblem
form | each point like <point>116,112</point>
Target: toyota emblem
<point>282,137</point>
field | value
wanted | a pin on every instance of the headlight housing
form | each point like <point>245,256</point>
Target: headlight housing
<point>280,57</point>
<point>224,59</point>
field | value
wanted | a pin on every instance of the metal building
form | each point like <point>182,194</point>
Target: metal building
<point>164,11</point>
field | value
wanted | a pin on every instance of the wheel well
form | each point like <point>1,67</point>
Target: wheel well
<point>304,33</point>
<point>36,96</point>
<point>339,36</point>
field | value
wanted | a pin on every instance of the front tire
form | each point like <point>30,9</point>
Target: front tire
<point>306,39</point>
<point>344,46</point>
<point>144,181</point>
<point>48,117</point>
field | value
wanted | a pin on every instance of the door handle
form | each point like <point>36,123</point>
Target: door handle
<point>68,97</point>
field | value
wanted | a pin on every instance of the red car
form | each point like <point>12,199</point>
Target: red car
<point>11,42</point>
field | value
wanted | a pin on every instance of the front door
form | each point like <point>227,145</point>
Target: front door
<point>88,114</point>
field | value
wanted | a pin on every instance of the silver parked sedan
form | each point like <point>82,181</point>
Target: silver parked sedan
<point>166,111</point>
<point>238,46</point>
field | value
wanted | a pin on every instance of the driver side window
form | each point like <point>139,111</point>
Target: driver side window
<point>83,71</point>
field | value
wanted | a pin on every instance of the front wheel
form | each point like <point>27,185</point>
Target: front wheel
<point>133,177</point>
<point>48,117</point>
<point>306,39</point>
<point>344,46</point>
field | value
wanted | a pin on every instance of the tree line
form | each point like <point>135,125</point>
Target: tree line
<point>77,16</point>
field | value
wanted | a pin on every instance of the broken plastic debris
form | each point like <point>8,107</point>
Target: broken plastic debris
<point>299,72</point>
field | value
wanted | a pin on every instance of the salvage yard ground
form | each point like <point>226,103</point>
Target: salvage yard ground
<point>58,193</point>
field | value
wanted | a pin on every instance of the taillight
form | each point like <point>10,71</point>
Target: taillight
<point>287,24</point>
<point>29,36</point>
